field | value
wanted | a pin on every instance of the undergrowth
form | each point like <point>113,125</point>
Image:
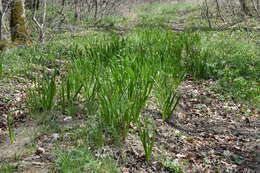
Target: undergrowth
<point>235,64</point>
<point>111,77</point>
<point>80,159</point>
<point>161,13</point>
<point>108,79</point>
<point>8,168</point>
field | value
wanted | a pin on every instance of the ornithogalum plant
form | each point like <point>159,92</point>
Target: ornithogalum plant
<point>166,93</point>
<point>42,97</point>
<point>146,135</point>
<point>10,126</point>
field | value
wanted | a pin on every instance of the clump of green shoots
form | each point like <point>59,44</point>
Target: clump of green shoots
<point>42,97</point>
<point>69,90</point>
<point>89,70</point>
<point>114,105</point>
<point>196,59</point>
<point>166,93</point>
<point>123,94</point>
<point>146,135</point>
<point>10,126</point>
<point>8,168</point>
<point>110,77</point>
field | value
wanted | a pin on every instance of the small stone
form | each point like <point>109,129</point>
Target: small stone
<point>55,136</point>
<point>37,163</point>
<point>40,151</point>
<point>45,138</point>
<point>177,132</point>
<point>68,118</point>
<point>183,137</point>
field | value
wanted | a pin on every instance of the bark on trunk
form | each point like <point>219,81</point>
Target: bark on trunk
<point>76,4</point>
<point>19,32</point>
<point>1,18</point>
<point>244,7</point>
<point>63,3</point>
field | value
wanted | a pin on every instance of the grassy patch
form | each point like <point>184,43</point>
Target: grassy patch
<point>112,76</point>
<point>8,168</point>
<point>108,78</point>
<point>234,60</point>
<point>173,166</point>
<point>81,160</point>
<point>161,13</point>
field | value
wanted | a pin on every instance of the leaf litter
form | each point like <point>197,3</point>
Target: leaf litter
<point>205,134</point>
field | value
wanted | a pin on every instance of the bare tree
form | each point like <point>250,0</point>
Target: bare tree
<point>3,10</point>
<point>219,11</point>
<point>205,10</point>
<point>229,13</point>
<point>40,25</point>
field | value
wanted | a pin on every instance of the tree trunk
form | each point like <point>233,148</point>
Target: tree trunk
<point>219,11</point>
<point>244,7</point>
<point>76,3</point>
<point>207,13</point>
<point>40,25</point>
<point>19,32</point>
<point>96,9</point>
<point>1,18</point>
<point>63,3</point>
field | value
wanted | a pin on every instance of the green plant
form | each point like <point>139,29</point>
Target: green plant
<point>234,60</point>
<point>95,137</point>
<point>160,13</point>
<point>80,160</point>
<point>146,135</point>
<point>123,94</point>
<point>70,89</point>
<point>196,59</point>
<point>166,94</point>
<point>42,97</point>
<point>114,106</point>
<point>173,166</point>
<point>10,126</point>
<point>7,168</point>
<point>88,71</point>
<point>240,88</point>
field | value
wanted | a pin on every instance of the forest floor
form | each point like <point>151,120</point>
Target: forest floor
<point>207,133</point>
